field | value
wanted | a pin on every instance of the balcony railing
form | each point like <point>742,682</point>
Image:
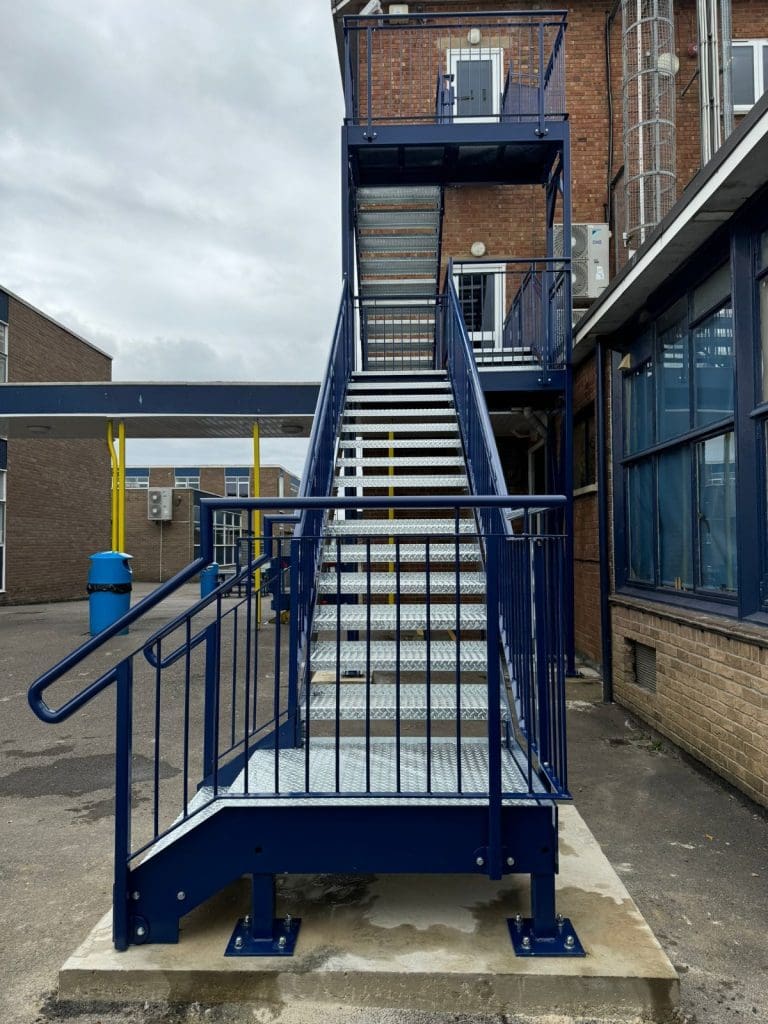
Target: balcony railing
<point>515,311</point>
<point>449,68</point>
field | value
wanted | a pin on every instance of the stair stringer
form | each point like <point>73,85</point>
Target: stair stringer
<point>257,837</point>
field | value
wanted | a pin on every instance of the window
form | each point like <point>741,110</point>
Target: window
<point>187,478</point>
<point>227,529</point>
<point>481,297</point>
<point>584,448</point>
<point>679,463</point>
<point>750,72</point>
<point>3,353</point>
<point>476,83</point>
<point>137,479</point>
<point>237,482</point>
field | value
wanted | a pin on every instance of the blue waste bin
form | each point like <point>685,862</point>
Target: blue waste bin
<point>209,579</point>
<point>109,589</point>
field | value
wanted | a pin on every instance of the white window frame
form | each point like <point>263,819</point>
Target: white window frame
<point>181,481</point>
<point>237,483</point>
<point>496,56</point>
<point>757,71</point>
<point>478,338</point>
<point>134,482</point>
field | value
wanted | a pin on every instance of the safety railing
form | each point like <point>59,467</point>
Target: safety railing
<point>531,634</point>
<point>397,333</point>
<point>514,310</point>
<point>316,482</point>
<point>488,67</point>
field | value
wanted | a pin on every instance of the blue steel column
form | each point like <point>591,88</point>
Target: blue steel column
<point>602,531</point>
<point>567,438</point>
<point>123,762</point>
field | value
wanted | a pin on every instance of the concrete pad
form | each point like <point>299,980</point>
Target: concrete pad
<point>429,943</point>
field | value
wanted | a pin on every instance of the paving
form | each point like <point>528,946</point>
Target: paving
<point>690,851</point>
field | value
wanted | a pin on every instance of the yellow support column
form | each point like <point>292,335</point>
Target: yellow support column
<point>257,517</point>
<point>113,493</point>
<point>121,486</point>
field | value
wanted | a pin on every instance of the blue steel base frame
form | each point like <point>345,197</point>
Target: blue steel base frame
<point>362,840</point>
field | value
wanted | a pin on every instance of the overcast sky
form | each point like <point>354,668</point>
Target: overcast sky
<point>169,188</point>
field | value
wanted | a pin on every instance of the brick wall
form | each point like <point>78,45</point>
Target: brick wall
<point>58,503</point>
<point>711,694</point>
<point>159,549</point>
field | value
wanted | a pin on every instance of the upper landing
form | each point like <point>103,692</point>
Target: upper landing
<point>449,97</point>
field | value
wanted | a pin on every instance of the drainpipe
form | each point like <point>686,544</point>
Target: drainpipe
<point>709,78</point>
<point>726,34</point>
<point>606,647</point>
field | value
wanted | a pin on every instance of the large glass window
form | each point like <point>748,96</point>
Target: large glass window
<point>716,512</point>
<point>137,479</point>
<point>237,482</point>
<point>227,528</point>
<point>187,479</point>
<point>673,398</point>
<point>638,408</point>
<point>674,500</point>
<point>713,367</point>
<point>640,522</point>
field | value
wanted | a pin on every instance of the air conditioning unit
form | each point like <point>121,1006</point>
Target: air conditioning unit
<point>589,260</point>
<point>160,504</point>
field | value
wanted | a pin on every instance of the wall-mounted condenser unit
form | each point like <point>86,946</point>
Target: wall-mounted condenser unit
<point>589,260</point>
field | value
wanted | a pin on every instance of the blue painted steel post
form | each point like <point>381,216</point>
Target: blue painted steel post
<point>606,641</point>
<point>570,633</point>
<point>211,706</point>
<point>123,767</point>
<point>493,674</point>
<point>543,652</point>
<point>543,905</point>
<point>541,131</point>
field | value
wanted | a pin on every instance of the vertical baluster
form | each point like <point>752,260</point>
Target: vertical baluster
<point>337,746</point>
<point>429,666</point>
<point>156,752</point>
<point>307,691</point>
<point>397,661</point>
<point>457,523</point>
<point>123,785</point>
<point>185,755</point>
<point>233,710</point>
<point>276,696</point>
<point>368,665</point>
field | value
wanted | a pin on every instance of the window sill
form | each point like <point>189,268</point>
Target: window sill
<point>579,492</point>
<point>693,612</point>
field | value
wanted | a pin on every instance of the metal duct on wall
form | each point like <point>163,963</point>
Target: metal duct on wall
<point>648,94</point>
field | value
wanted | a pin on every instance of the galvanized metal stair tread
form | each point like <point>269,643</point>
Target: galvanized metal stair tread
<point>405,414</point>
<point>405,399</point>
<point>424,242</point>
<point>410,266</point>
<point>402,428</point>
<point>412,616</point>
<point>383,375</point>
<point>398,193</point>
<point>385,385</point>
<point>382,655</point>
<point>395,481</point>
<point>390,527</point>
<point>401,462</point>
<point>383,761</point>
<point>378,702</point>
<point>404,443</point>
<point>410,583</point>
<point>468,552</point>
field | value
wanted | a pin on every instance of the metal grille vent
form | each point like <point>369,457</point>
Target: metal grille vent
<point>644,666</point>
<point>579,241</point>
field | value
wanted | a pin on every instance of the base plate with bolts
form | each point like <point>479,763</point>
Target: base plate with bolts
<point>282,942</point>
<point>562,942</point>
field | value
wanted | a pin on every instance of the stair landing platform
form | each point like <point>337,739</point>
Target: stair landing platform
<point>435,943</point>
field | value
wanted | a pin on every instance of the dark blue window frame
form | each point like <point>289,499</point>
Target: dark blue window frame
<point>740,241</point>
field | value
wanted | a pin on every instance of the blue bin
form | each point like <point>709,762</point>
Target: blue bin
<point>110,581</point>
<point>209,579</point>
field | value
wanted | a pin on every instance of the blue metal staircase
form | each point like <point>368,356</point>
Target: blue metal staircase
<point>411,715</point>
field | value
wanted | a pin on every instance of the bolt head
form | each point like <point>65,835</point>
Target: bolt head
<point>569,942</point>
<point>287,920</point>
<point>181,895</point>
<point>480,861</point>
<point>519,920</point>
<point>526,942</point>
<point>136,895</point>
<point>281,942</point>
<point>238,942</point>
<point>510,862</point>
<point>141,931</point>
<point>247,920</point>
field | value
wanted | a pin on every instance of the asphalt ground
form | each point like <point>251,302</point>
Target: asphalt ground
<point>692,851</point>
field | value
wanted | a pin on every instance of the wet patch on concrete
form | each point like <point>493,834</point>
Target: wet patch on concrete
<point>75,776</point>
<point>55,751</point>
